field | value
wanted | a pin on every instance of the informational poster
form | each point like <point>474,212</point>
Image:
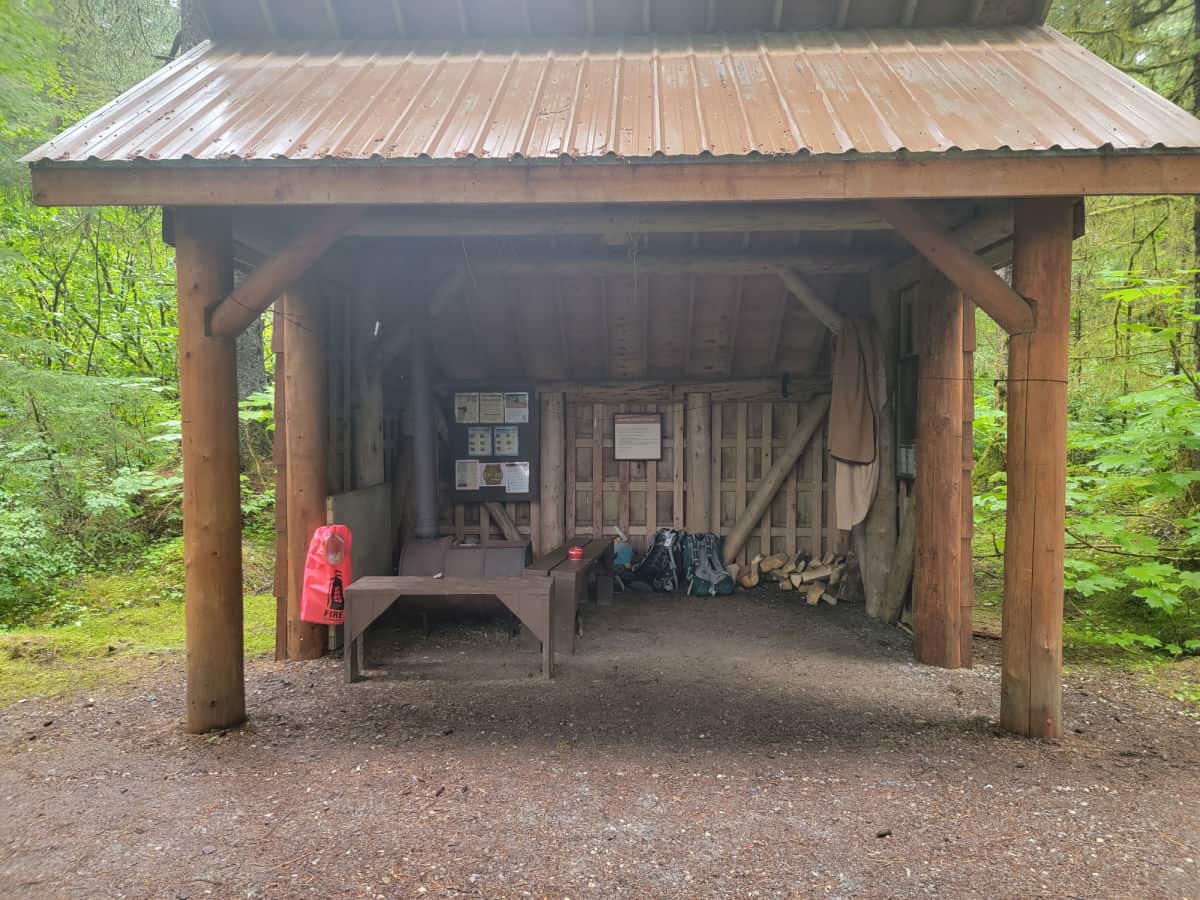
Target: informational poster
<point>466,474</point>
<point>516,477</point>
<point>494,441</point>
<point>507,440</point>
<point>637,436</point>
<point>466,408</point>
<point>491,409</point>
<point>516,408</point>
<point>491,475</point>
<point>479,440</point>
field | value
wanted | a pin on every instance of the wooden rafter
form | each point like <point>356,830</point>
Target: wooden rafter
<point>261,287</point>
<point>958,262</point>
<point>843,13</point>
<point>975,11</point>
<point>909,13</point>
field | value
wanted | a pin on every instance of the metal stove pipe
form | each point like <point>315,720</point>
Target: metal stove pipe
<point>424,437</point>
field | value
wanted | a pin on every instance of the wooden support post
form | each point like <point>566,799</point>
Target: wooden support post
<point>699,463</point>
<point>937,577</point>
<point>810,422</point>
<point>966,560</point>
<point>279,456</point>
<point>212,509</point>
<point>553,472</point>
<point>367,369</point>
<point>307,449</point>
<point>1031,672</point>
<point>875,538</point>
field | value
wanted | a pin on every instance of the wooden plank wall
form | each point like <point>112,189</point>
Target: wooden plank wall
<point>640,497</point>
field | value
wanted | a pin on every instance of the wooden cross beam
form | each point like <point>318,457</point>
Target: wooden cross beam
<point>956,261</point>
<point>260,288</point>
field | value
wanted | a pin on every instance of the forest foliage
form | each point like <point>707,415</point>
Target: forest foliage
<point>89,472</point>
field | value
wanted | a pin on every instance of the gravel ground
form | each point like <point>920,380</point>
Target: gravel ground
<point>736,747</point>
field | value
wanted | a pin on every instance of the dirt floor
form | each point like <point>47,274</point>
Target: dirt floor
<point>736,747</point>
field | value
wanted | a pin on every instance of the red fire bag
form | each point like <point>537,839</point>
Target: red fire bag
<point>326,574</point>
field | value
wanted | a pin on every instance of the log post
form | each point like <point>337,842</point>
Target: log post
<point>1031,670</point>
<point>212,509</point>
<point>307,449</point>
<point>368,389</point>
<point>875,537</point>
<point>279,456</point>
<point>551,502</point>
<point>966,559</point>
<point>698,421</point>
<point>937,577</point>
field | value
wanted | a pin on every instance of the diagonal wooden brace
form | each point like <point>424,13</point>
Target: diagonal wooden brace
<point>968,272</point>
<point>269,281</point>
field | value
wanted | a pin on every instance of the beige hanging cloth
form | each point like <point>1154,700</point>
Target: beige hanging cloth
<point>858,392</point>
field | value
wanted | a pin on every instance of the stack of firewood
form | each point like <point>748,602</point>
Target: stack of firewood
<point>816,579</point>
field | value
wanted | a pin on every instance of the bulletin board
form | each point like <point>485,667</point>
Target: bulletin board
<point>494,443</point>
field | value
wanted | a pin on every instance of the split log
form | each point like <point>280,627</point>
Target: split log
<point>816,573</point>
<point>815,592</point>
<point>773,563</point>
<point>751,578</point>
<point>810,421</point>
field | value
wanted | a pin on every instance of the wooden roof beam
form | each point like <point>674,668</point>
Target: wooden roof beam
<point>250,299</point>
<point>754,262</point>
<point>611,219</point>
<point>958,262</point>
<point>466,184</point>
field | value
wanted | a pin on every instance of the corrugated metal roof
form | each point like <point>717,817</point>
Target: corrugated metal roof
<point>412,19</point>
<point>1015,89</point>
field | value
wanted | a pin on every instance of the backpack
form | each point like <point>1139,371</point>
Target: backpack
<point>660,567</point>
<point>704,570</point>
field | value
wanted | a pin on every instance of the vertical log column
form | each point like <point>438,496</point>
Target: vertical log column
<point>1031,674</point>
<point>307,450</point>
<point>875,537</point>
<point>551,500</point>
<point>966,561</point>
<point>279,456</point>
<point>212,510</point>
<point>937,576</point>
<point>699,462</point>
<point>368,386</point>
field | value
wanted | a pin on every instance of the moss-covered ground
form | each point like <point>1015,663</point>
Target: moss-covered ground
<point>110,629</point>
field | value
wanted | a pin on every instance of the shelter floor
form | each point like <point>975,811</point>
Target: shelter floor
<point>744,746</point>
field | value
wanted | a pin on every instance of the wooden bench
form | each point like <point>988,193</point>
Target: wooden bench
<point>528,596</point>
<point>571,580</point>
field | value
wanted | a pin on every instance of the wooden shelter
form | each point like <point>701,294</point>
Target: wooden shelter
<point>657,206</point>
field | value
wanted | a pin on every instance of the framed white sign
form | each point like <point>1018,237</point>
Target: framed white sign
<point>637,436</point>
